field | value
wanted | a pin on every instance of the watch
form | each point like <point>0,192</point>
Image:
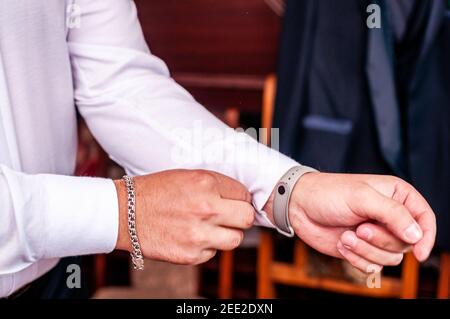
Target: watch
<point>283,191</point>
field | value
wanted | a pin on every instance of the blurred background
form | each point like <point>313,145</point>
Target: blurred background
<point>268,63</point>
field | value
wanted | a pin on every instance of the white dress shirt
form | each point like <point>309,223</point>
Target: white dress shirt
<point>100,64</point>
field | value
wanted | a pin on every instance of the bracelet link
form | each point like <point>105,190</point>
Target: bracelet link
<point>137,258</point>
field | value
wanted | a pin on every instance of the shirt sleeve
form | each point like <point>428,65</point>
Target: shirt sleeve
<point>52,216</point>
<point>144,119</point>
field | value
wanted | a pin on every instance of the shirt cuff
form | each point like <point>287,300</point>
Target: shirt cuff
<point>81,215</point>
<point>262,219</point>
<point>271,166</point>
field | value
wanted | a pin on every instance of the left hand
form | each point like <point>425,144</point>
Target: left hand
<point>366,219</point>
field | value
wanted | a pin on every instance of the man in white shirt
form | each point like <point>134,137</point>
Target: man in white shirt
<point>55,55</point>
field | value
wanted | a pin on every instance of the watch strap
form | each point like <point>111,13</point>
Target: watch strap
<point>282,196</point>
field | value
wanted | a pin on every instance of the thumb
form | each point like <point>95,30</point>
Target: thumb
<point>370,204</point>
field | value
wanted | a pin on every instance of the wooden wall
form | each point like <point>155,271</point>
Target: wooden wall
<point>219,50</point>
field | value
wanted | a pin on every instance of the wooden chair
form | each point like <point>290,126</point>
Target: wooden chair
<point>444,277</point>
<point>226,272</point>
<point>226,258</point>
<point>271,271</point>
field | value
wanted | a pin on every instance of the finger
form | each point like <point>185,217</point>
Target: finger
<point>223,238</point>
<point>406,194</point>
<point>206,255</point>
<point>426,219</point>
<point>232,189</point>
<point>357,261</point>
<point>382,238</point>
<point>234,214</point>
<point>370,204</point>
<point>423,248</point>
<point>368,252</point>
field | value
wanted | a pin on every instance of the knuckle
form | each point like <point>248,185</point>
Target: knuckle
<point>207,256</point>
<point>237,239</point>
<point>199,239</point>
<point>249,219</point>
<point>204,208</point>
<point>195,258</point>
<point>401,183</point>
<point>195,238</point>
<point>212,254</point>
<point>394,181</point>
<point>204,179</point>
<point>190,258</point>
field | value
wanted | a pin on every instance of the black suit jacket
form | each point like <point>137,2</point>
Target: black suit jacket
<point>337,105</point>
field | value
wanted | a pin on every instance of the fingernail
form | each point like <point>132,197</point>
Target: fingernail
<point>422,255</point>
<point>365,233</point>
<point>413,233</point>
<point>349,239</point>
<point>407,249</point>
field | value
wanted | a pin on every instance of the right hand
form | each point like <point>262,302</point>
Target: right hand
<point>185,216</point>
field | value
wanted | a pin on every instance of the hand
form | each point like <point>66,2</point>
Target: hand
<point>366,219</point>
<point>185,216</point>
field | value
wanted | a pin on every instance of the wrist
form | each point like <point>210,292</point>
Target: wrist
<point>123,241</point>
<point>295,201</point>
<point>303,188</point>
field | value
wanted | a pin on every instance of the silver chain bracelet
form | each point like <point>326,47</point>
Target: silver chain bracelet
<point>136,255</point>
